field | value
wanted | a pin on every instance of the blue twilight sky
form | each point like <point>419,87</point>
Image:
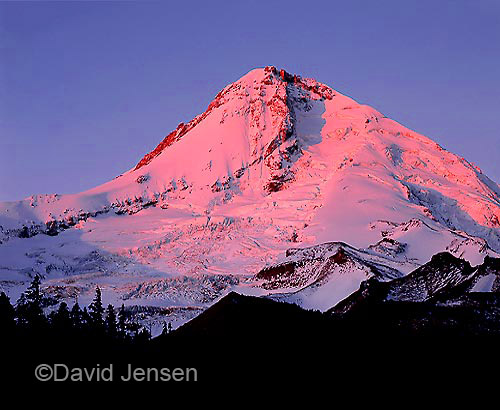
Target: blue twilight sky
<point>87,88</point>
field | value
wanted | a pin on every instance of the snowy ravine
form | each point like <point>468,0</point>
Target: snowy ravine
<point>275,162</point>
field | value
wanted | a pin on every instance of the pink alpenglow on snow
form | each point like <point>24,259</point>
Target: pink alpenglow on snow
<point>275,162</point>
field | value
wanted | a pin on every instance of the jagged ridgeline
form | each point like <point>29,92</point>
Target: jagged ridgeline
<point>444,315</point>
<point>283,188</point>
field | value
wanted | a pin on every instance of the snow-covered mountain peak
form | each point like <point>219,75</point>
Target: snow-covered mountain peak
<point>276,161</point>
<point>277,135</point>
<point>250,122</point>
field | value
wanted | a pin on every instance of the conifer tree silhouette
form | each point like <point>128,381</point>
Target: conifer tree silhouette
<point>76,315</point>
<point>111,326</point>
<point>96,311</point>
<point>7,314</point>
<point>61,319</point>
<point>122,321</point>
<point>29,308</point>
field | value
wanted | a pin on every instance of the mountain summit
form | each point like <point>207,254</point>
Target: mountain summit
<point>276,161</point>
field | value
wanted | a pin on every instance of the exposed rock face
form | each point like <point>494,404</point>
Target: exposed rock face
<point>389,247</point>
<point>444,280</point>
<point>320,276</point>
<point>291,93</point>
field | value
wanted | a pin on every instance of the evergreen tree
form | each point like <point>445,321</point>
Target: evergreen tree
<point>144,335</point>
<point>111,326</point>
<point>86,320</point>
<point>134,328</point>
<point>29,308</point>
<point>96,310</point>
<point>122,320</point>
<point>7,314</point>
<point>33,292</point>
<point>167,328</point>
<point>61,319</point>
<point>76,315</point>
